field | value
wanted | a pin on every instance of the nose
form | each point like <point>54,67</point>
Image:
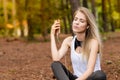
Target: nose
<point>77,22</point>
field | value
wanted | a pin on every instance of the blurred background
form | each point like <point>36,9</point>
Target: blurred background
<point>25,42</point>
<point>30,18</point>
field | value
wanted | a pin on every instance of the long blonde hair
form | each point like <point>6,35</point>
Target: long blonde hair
<point>91,33</point>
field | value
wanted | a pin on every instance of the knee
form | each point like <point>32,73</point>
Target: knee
<point>55,64</point>
<point>100,75</point>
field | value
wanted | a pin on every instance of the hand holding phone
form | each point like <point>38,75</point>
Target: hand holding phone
<point>56,27</point>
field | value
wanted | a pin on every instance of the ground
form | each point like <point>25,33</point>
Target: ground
<point>21,60</point>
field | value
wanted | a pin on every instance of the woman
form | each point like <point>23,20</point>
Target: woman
<point>85,49</point>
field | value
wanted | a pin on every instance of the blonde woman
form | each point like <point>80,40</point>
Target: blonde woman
<point>85,49</point>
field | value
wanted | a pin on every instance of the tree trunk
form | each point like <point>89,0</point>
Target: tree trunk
<point>64,21</point>
<point>64,6</point>
<point>104,16</point>
<point>74,5</point>
<point>28,9</point>
<point>30,29</point>
<point>20,8</point>
<point>118,8</point>
<point>5,17</point>
<point>69,22</point>
<point>93,7</point>
<point>43,18</point>
<point>14,16</point>
<point>69,18</point>
<point>5,11</point>
<point>85,3</point>
<point>111,20</point>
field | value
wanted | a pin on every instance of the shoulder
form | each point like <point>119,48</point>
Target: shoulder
<point>94,43</point>
<point>68,40</point>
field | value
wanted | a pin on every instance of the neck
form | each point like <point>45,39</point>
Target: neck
<point>80,36</point>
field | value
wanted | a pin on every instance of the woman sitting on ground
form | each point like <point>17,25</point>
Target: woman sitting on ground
<point>85,48</point>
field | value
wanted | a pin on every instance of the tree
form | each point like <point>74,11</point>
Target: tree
<point>66,16</point>
<point>44,18</point>
<point>85,3</point>
<point>20,14</point>
<point>111,19</point>
<point>14,14</point>
<point>74,5</point>
<point>118,9</point>
<point>104,16</point>
<point>5,11</point>
<point>93,7</point>
<point>30,15</point>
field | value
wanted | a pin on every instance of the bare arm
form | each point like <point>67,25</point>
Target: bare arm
<point>91,60</point>
<point>58,54</point>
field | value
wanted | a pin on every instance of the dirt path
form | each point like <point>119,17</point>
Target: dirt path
<point>20,60</point>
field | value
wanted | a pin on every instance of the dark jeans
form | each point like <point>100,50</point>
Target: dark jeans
<point>61,73</point>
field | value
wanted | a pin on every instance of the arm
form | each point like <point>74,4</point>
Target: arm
<point>58,54</point>
<point>91,60</point>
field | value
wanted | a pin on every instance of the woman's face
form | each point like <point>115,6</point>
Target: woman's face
<point>79,23</point>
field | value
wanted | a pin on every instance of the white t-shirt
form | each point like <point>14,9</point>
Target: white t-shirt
<point>79,63</point>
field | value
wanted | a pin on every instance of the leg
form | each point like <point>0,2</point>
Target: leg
<point>97,75</point>
<point>60,71</point>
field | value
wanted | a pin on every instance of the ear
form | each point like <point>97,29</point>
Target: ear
<point>87,27</point>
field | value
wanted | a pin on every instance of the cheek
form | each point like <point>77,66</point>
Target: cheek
<point>83,25</point>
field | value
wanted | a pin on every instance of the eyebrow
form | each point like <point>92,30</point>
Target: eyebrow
<point>81,19</point>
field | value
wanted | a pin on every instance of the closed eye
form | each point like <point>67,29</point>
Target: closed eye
<point>75,19</point>
<point>82,21</point>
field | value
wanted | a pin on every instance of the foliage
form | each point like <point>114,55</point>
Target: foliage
<point>115,15</point>
<point>42,13</point>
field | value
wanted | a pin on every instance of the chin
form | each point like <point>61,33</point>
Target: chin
<point>75,32</point>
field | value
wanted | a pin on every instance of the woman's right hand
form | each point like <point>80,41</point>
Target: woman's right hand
<point>55,28</point>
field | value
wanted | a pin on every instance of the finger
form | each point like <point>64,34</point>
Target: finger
<point>56,28</point>
<point>57,21</point>
<point>57,25</point>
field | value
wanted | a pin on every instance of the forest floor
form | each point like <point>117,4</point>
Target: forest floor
<point>22,60</point>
